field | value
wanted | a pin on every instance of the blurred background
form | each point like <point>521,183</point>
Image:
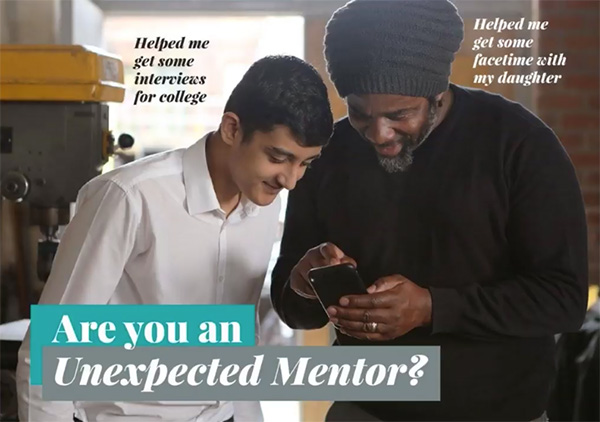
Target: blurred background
<point>241,32</point>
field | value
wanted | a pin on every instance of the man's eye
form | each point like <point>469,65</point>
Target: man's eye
<point>276,160</point>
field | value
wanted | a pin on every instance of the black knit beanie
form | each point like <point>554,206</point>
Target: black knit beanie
<point>403,47</point>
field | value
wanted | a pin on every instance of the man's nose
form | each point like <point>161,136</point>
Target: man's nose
<point>289,178</point>
<point>379,132</point>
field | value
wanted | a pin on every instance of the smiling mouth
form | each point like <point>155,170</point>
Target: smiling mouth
<point>272,188</point>
<point>390,150</point>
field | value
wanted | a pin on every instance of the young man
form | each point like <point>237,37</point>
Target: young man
<point>460,209</point>
<point>189,226</point>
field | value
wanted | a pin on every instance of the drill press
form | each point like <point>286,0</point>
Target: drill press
<point>54,134</point>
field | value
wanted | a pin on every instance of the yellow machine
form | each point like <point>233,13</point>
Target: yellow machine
<point>54,134</point>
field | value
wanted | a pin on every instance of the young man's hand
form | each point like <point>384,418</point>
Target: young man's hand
<point>319,256</point>
<point>394,306</point>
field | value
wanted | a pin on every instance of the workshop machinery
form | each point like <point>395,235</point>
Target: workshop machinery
<point>54,133</point>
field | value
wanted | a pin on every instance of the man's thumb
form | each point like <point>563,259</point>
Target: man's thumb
<point>382,284</point>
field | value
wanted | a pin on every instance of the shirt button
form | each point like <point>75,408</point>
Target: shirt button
<point>221,279</point>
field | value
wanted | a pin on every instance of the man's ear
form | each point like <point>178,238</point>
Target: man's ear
<point>230,129</point>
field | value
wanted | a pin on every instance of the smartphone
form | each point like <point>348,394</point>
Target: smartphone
<point>332,282</point>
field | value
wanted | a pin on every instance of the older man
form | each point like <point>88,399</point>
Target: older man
<point>460,209</point>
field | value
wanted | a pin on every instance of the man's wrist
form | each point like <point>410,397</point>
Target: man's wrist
<point>304,295</point>
<point>301,293</point>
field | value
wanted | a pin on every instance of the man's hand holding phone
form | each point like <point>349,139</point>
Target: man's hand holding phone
<point>391,307</point>
<point>320,256</point>
<point>394,306</point>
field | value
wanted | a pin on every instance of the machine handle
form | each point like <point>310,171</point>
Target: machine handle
<point>125,141</point>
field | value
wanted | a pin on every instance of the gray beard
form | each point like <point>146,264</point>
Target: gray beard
<point>402,161</point>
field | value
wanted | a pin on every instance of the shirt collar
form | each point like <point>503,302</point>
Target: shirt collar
<point>199,190</point>
<point>249,208</point>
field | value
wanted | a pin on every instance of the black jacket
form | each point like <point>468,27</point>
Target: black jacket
<point>489,217</point>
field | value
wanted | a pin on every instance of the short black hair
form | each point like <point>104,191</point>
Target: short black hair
<point>283,90</point>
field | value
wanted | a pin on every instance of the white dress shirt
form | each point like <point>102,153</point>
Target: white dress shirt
<point>152,232</point>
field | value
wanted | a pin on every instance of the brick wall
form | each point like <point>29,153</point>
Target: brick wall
<point>570,107</point>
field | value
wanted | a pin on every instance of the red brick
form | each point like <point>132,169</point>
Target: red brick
<point>578,62</point>
<point>591,178</point>
<point>588,177</point>
<point>593,217</point>
<point>572,142</point>
<point>584,160</point>
<point>591,142</point>
<point>549,116</point>
<point>594,101</point>
<point>582,82</point>
<point>546,38</point>
<point>551,5</point>
<point>562,22</point>
<point>591,199</point>
<point>582,42</point>
<point>581,120</point>
<point>557,100</point>
<point>588,27</point>
<point>591,5</point>
<point>551,46</point>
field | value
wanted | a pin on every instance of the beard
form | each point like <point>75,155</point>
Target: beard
<point>400,162</point>
<point>404,159</point>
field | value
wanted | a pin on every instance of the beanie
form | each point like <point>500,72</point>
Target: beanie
<point>403,47</point>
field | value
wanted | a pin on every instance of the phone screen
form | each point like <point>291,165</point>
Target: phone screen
<point>333,282</point>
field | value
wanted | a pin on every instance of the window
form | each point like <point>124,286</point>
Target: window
<point>234,44</point>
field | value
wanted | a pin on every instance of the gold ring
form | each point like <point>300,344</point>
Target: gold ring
<point>372,327</point>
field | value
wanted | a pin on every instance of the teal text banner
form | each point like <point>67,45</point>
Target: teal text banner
<point>133,326</point>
